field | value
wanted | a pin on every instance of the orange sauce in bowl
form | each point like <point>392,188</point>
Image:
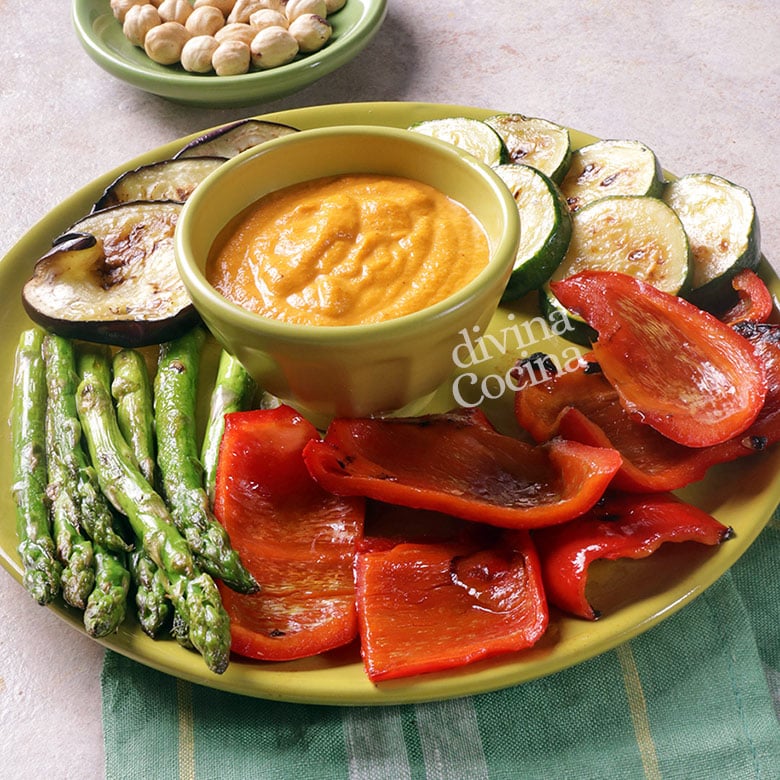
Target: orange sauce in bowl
<point>346,250</point>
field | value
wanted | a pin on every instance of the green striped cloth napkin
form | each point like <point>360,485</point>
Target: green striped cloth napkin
<point>697,697</point>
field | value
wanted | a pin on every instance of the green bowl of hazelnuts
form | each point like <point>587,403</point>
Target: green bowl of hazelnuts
<point>221,53</point>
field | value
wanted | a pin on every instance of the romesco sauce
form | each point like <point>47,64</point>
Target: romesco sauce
<point>346,250</point>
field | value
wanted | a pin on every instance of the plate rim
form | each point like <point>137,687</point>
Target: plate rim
<point>315,681</point>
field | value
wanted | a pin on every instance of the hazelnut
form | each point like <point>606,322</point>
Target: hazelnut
<point>138,21</point>
<point>267,17</point>
<point>272,47</point>
<point>236,31</point>
<point>311,31</point>
<point>164,43</point>
<point>205,20</point>
<point>197,53</point>
<point>231,58</point>
<point>242,10</point>
<point>296,8</point>
<point>226,6</point>
<point>273,5</point>
<point>120,7</point>
<point>174,11</point>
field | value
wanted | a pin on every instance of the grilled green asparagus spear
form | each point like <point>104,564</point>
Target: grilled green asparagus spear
<point>76,553</point>
<point>132,391</point>
<point>151,601</point>
<point>107,604</point>
<point>175,388</point>
<point>41,569</point>
<point>94,515</point>
<point>192,592</point>
<point>232,390</point>
<point>74,550</point>
<point>63,433</point>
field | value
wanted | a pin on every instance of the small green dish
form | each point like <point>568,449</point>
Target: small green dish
<point>349,370</point>
<point>354,26</point>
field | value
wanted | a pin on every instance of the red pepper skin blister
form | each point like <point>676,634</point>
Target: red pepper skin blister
<point>620,526</point>
<point>457,463</point>
<point>675,367</point>
<point>298,540</point>
<point>432,606</point>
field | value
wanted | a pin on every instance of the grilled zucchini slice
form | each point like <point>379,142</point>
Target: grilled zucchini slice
<point>636,235</point>
<point>722,225</point>
<point>545,228</point>
<point>612,167</point>
<point>471,135</point>
<point>537,142</point>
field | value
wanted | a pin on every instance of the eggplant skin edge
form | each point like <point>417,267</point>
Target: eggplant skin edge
<point>235,137</point>
<point>119,333</point>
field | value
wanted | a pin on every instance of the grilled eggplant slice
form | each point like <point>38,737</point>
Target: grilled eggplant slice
<point>164,180</point>
<point>230,140</point>
<point>112,278</point>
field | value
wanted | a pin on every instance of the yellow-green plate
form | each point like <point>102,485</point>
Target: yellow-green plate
<point>632,595</point>
<point>354,26</point>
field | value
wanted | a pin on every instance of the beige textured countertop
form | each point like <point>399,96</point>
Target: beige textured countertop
<point>696,81</point>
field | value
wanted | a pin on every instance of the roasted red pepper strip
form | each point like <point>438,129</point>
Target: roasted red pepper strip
<point>431,606</point>
<point>581,405</point>
<point>675,367</point>
<point>620,526</point>
<point>457,463</point>
<point>754,302</point>
<point>297,540</point>
<point>651,462</point>
<point>765,340</point>
<point>538,406</point>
